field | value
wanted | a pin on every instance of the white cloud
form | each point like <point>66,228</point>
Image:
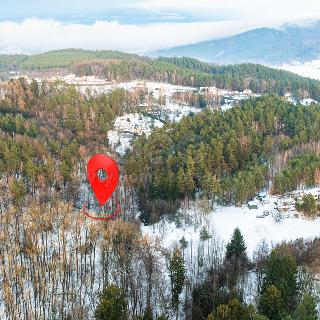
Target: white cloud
<point>35,35</point>
<point>266,10</point>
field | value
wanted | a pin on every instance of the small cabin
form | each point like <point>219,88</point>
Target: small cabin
<point>262,196</point>
<point>254,204</point>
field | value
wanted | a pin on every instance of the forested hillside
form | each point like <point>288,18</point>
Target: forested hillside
<point>58,264</point>
<point>58,58</point>
<point>224,155</point>
<point>47,135</point>
<point>115,65</point>
<point>256,77</point>
<point>191,72</point>
<point>302,170</point>
<point>44,130</point>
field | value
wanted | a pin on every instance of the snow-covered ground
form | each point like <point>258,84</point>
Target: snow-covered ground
<point>256,224</point>
<point>175,112</point>
<point>131,125</point>
<point>165,89</point>
<point>308,101</point>
<point>186,231</point>
<point>309,69</point>
<point>127,127</point>
<point>222,221</point>
<point>100,86</point>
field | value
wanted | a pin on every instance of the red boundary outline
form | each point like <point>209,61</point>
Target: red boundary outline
<point>88,214</point>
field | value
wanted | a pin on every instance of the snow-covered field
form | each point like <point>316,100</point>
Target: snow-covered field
<point>157,88</point>
<point>222,221</point>
<point>309,69</point>
<point>186,229</point>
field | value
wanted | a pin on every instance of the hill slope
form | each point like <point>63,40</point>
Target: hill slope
<point>119,66</point>
<point>59,58</point>
<point>263,45</point>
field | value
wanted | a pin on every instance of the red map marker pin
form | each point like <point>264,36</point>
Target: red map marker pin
<point>103,188</point>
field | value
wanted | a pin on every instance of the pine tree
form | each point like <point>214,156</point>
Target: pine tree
<point>281,271</point>
<point>181,181</point>
<point>210,317</point>
<point>18,190</point>
<point>231,157</point>
<point>307,309</point>
<point>210,185</point>
<point>223,312</point>
<point>218,156</point>
<point>308,205</point>
<point>190,173</point>
<point>147,314</point>
<point>177,276</point>
<point>271,303</point>
<point>112,305</point>
<point>236,247</point>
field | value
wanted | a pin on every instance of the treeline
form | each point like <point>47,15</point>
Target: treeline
<point>204,98</point>
<point>258,78</point>
<point>147,69</point>
<point>120,66</point>
<point>12,62</point>
<point>190,72</point>
<point>301,171</point>
<point>221,155</point>
<point>262,79</point>
<point>58,58</point>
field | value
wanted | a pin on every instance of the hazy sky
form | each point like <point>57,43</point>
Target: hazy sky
<point>139,25</point>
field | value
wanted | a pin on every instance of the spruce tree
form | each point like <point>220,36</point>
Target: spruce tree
<point>236,247</point>
<point>177,276</point>
<point>181,181</point>
<point>307,309</point>
<point>281,271</point>
<point>112,305</point>
<point>223,312</point>
<point>271,303</point>
<point>190,172</point>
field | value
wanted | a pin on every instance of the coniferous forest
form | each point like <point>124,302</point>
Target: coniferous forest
<point>58,264</point>
<point>186,71</point>
<point>224,155</point>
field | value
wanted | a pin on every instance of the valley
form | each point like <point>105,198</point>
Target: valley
<point>202,154</point>
<point>160,160</point>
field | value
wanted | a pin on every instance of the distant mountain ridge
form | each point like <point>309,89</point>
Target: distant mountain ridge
<point>263,45</point>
